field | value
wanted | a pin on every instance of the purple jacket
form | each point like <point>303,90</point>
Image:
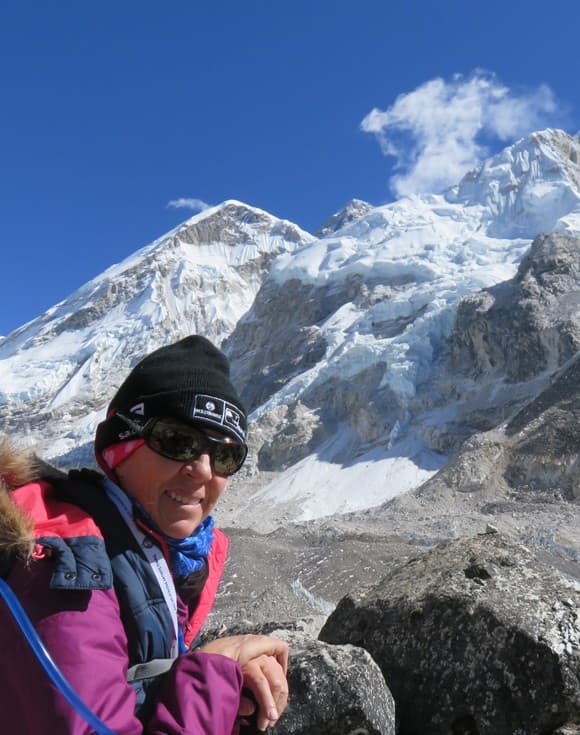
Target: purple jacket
<point>83,632</point>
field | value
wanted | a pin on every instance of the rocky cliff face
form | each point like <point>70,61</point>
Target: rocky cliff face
<point>277,352</point>
<point>508,340</point>
<point>521,328</point>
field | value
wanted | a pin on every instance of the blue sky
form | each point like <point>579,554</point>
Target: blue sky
<point>112,110</point>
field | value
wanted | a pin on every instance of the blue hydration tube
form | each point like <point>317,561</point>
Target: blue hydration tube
<point>47,662</point>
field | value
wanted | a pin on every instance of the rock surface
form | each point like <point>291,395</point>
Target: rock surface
<point>520,328</point>
<point>475,636</point>
<point>334,690</point>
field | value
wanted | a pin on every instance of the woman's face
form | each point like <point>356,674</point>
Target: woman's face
<point>178,496</point>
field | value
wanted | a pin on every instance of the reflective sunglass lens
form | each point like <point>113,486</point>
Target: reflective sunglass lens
<point>176,442</point>
<point>183,443</point>
<point>228,458</point>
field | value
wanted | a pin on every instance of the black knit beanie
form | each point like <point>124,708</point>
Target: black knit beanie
<point>188,380</point>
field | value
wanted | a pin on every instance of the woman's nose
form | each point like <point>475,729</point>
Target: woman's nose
<point>199,468</point>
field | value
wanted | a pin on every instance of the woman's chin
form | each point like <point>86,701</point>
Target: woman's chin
<point>179,529</point>
<point>179,521</point>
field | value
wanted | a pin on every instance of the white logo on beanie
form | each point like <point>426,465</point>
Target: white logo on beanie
<point>138,408</point>
<point>218,412</point>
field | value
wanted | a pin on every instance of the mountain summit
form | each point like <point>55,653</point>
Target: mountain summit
<point>352,210</point>
<point>533,186</point>
<point>346,346</point>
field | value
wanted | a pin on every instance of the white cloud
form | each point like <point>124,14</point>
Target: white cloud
<point>439,131</point>
<point>196,205</point>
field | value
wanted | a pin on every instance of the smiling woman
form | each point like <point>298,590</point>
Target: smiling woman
<point>118,573</point>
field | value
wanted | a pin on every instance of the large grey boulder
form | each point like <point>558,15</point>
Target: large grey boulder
<point>475,636</point>
<point>334,690</point>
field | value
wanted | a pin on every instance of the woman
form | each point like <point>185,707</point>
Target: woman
<point>118,572</point>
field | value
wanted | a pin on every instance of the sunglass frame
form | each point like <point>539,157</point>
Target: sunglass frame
<point>209,444</point>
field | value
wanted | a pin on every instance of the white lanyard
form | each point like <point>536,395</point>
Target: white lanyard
<point>152,553</point>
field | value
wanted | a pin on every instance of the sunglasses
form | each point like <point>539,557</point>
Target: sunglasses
<point>183,443</point>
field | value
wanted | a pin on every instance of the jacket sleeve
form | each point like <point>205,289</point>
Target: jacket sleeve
<point>84,634</point>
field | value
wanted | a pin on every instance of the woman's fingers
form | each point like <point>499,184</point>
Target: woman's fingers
<point>265,677</point>
<point>282,657</point>
<point>244,648</point>
<point>264,662</point>
<point>247,706</point>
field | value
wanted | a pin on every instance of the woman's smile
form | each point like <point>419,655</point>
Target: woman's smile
<point>177,496</point>
<point>182,500</point>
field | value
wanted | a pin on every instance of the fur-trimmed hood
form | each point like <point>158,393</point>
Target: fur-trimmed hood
<point>17,467</point>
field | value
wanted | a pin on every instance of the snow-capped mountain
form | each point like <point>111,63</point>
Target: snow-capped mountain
<point>58,371</point>
<point>340,344</point>
<point>348,392</point>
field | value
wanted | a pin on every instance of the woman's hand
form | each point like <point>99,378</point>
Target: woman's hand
<point>264,663</point>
